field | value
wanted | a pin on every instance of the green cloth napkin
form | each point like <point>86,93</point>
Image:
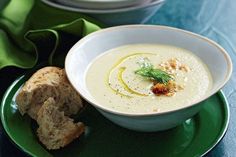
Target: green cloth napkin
<point>32,32</point>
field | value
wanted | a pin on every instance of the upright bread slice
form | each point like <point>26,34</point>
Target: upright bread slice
<point>56,130</point>
<point>48,82</point>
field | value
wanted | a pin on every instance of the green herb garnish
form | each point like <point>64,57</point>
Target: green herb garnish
<point>158,75</point>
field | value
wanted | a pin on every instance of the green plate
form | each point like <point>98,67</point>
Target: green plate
<point>195,137</point>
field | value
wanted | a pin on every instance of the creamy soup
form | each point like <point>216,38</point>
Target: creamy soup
<point>117,78</point>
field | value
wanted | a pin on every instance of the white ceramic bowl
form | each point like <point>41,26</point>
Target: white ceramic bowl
<point>111,17</point>
<point>102,4</point>
<point>84,51</point>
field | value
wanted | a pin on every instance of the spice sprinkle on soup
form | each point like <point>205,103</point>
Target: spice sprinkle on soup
<point>142,78</point>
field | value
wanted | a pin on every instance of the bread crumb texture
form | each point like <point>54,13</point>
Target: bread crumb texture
<point>48,98</point>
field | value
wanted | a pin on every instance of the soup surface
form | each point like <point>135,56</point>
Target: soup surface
<point>144,78</point>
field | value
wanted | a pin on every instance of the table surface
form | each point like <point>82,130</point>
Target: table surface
<point>214,19</point>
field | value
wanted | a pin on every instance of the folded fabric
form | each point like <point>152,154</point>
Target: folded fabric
<point>32,32</point>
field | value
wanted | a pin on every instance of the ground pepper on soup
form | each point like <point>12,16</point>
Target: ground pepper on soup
<point>142,78</point>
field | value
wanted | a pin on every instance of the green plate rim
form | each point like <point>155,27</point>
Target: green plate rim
<point>223,98</point>
<point>9,90</point>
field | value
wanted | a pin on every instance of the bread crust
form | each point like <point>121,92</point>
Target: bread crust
<point>48,98</point>
<point>55,129</point>
<point>48,82</point>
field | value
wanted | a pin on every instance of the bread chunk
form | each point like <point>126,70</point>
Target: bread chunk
<point>48,82</point>
<point>55,129</point>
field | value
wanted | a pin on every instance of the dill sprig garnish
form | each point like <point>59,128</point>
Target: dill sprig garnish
<point>147,70</point>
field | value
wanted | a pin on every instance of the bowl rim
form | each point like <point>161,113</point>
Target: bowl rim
<point>101,4</point>
<point>112,111</point>
<point>102,11</point>
<point>105,1</point>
